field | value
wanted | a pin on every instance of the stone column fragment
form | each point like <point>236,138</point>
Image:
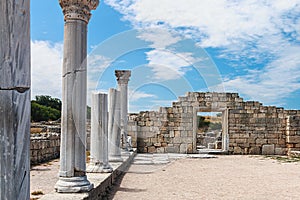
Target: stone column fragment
<point>14,99</point>
<point>99,134</point>
<point>123,78</point>
<point>114,127</point>
<point>72,173</point>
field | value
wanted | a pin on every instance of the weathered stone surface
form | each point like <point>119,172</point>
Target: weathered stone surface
<point>114,126</point>
<point>14,99</point>
<point>268,149</point>
<point>72,171</point>
<point>123,78</point>
<point>247,125</point>
<point>14,144</point>
<point>99,134</point>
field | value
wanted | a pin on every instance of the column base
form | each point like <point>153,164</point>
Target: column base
<point>73,185</point>
<point>99,168</point>
<point>115,158</point>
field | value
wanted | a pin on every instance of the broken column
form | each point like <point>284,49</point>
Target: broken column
<point>114,128</point>
<point>72,173</point>
<point>123,78</point>
<point>99,134</point>
<point>14,99</point>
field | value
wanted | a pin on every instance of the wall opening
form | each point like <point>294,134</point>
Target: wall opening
<point>209,130</point>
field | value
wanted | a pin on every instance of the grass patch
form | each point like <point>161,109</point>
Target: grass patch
<point>285,159</point>
<point>39,192</point>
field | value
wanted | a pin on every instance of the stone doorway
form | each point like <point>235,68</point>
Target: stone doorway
<point>210,130</point>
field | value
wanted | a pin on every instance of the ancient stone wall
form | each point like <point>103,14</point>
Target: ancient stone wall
<point>44,147</point>
<point>293,130</point>
<point>44,142</point>
<point>248,127</point>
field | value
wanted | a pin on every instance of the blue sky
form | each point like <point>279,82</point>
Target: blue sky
<point>173,46</point>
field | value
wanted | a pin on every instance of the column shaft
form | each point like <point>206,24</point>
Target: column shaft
<point>124,112</point>
<point>72,174</point>
<point>114,126</point>
<point>99,134</point>
<point>72,158</point>
<point>14,99</point>
<point>123,78</point>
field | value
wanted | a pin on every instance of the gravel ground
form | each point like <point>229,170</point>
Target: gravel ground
<point>43,178</point>
<point>224,177</point>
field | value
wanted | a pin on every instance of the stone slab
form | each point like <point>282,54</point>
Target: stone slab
<point>101,182</point>
<point>268,149</point>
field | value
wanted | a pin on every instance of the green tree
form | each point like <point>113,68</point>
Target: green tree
<point>45,108</point>
<point>49,101</point>
<point>43,113</point>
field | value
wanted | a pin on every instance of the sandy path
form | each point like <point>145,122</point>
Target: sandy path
<point>224,177</point>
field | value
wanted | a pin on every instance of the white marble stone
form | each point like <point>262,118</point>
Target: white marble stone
<point>123,78</point>
<point>114,127</point>
<point>14,99</point>
<point>99,134</point>
<point>72,173</point>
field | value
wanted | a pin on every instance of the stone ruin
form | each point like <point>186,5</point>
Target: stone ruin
<point>248,127</point>
<point>44,142</point>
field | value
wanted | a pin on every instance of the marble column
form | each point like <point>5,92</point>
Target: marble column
<point>123,78</point>
<point>72,173</point>
<point>14,99</point>
<point>114,128</point>
<point>99,134</point>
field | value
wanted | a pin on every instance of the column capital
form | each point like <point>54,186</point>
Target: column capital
<point>123,76</point>
<point>78,9</point>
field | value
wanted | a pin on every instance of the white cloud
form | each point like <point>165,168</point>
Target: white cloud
<point>168,65</point>
<point>159,37</point>
<point>249,32</point>
<point>137,95</point>
<point>46,68</point>
<point>276,81</point>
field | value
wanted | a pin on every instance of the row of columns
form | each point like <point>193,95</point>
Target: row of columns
<point>15,103</point>
<point>72,173</point>
<point>106,126</point>
<point>108,122</point>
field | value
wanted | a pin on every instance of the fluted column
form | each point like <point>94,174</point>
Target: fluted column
<point>72,174</point>
<point>14,99</point>
<point>99,134</point>
<point>123,78</point>
<point>114,128</point>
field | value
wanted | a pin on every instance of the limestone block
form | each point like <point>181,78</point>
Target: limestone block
<point>268,149</point>
<point>160,150</point>
<point>280,151</point>
<point>164,144</point>
<point>187,140</point>
<point>293,139</point>
<point>237,150</point>
<point>172,133</point>
<point>183,134</point>
<point>240,141</point>
<point>158,144</point>
<point>151,149</point>
<point>260,141</point>
<point>176,133</point>
<point>174,149</point>
<point>273,141</point>
<point>183,148</point>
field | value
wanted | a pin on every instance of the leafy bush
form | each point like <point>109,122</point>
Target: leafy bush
<point>43,113</point>
<point>48,101</point>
